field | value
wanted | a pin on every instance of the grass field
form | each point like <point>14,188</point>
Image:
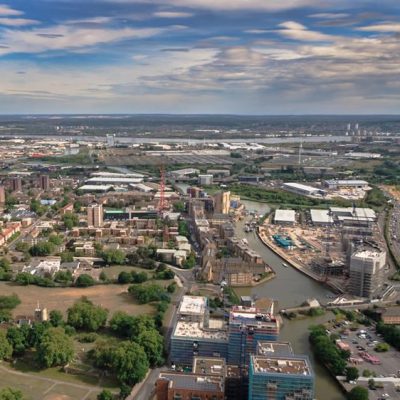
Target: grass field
<point>113,297</point>
<point>42,387</point>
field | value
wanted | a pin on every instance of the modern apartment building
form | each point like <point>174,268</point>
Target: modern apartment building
<point>247,327</point>
<point>366,272</point>
<point>286,377</point>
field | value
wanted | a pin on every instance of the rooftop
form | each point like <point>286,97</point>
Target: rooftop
<point>196,330</point>
<point>285,215</point>
<point>251,315</point>
<point>274,349</point>
<point>295,365</point>
<point>209,366</point>
<point>321,216</point>
<point>193,305</point>
<point>194,382</point>
<point>300,186</point>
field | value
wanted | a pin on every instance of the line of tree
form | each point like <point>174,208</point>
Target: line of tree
<point>326,350</point>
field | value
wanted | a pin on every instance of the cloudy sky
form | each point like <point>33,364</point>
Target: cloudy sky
<point>200,56</point>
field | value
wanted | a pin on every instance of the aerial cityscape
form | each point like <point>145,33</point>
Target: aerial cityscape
<point>199,200</point>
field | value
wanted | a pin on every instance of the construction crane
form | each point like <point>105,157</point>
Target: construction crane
<point>162,203</point>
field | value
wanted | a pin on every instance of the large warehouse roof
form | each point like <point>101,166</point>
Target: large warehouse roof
<point>285,216</point>
<point>321,217</point>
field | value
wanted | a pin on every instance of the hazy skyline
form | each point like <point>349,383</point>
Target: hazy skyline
<point>200,56</point>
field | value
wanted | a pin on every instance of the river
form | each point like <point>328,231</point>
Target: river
<point>291,288</point>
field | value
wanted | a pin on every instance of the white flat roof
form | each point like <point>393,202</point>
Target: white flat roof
<point>321,216</point>
<point>196,330</point>
<point>285,215</point>
<point>117,175</point>
<point>300,186</point>
<point>96,187</point>
<point>193,305</point>
<point>103,179</point>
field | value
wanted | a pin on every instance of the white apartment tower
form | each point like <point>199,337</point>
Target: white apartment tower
<point>366,272</point>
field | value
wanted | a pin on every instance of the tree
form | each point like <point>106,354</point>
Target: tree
<point>130,326</point>
<point>84,280</point>
<point>67,256</point>
<point>70,220</point>
<point>55,348</point>
<point>9,302</point>
<point>5,346</point>
<point>148,293</point>
<point>358,393</point>
<point>56,239</point>
<point>5,264</point>
<point>105,395</point>
<point>103,276</point>
<point>10,394</point>
<point>352,374</point>
<point>22,247</point>
<point>56,318</point>
<point>153,345</point>
<point>25,278</point>
<point>18,339</point>
<point>42,249</point>
<point>139,277</point>
<point>64,277</point>
<point>124,277</point>
<point>85,315</point>
<point>130,363</point>
<point>114,257</point>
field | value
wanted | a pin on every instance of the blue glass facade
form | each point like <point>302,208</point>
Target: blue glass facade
<point>266,384</point>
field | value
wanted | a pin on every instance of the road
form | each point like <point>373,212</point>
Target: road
<point>394,225</point>
<point>145,389</point>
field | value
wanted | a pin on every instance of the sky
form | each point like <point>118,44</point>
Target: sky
<point>200,56</point>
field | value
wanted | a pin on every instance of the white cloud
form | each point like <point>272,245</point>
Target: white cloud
<point>172,14</point>
<point>296,31</point>
<point>387,27</point>
<point>18,22</point>
<point>5,10</point>
<point>256,31</point>
<point>69,37</point>
<point>329,15</point>
<point>93,20</point>
<point>232,5</point>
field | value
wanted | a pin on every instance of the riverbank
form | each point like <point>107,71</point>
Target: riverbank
<point>264,239</point>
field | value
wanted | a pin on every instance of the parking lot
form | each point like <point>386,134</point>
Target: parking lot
<point>384,367</point>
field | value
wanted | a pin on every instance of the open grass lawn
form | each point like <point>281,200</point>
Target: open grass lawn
<point>47,385</point>
<point>113,297</point>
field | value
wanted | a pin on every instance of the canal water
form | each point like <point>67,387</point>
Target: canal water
<point>290,288</point>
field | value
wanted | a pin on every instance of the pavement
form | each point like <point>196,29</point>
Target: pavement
<point>386,372</point>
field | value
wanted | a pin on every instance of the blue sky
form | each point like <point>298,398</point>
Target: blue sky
<point>200,56</point>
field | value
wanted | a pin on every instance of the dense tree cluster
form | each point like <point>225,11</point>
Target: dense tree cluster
<point>114,257</point>
<point>148,293</point>
<point>7,304</point>
<point>5,270</point>
<point>87,316</point>
<point>326,350</point>
<point>391,334</point>
<point>132,277</point>
<point>55,348</point>
<point>10,394</point>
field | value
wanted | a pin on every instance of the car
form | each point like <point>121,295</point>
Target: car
<point>354,342</point>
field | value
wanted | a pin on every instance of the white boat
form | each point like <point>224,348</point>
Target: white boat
<point>285,265</point>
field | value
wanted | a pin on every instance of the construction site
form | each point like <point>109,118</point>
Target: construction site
<point>327,245</point>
